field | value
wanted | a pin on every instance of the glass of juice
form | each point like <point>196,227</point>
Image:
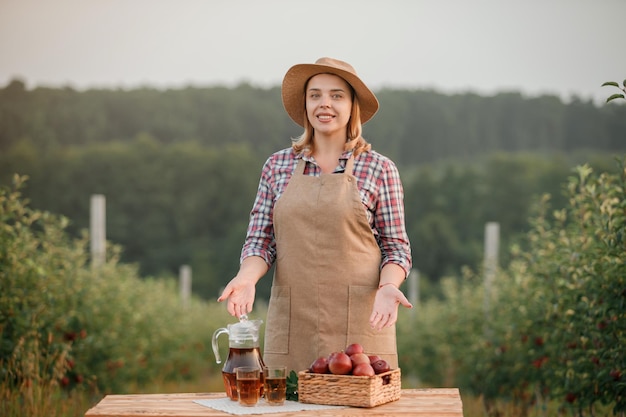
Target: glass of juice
<point>275,385</point>
<point>248,385</point>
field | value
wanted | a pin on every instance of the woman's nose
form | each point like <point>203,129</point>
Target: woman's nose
<point>325,101</point>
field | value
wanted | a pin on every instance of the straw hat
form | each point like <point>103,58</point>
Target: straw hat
<point>298,75</point>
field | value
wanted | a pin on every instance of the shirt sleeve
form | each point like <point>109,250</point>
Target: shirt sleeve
<point>260,234</point>
<point>389,219</point>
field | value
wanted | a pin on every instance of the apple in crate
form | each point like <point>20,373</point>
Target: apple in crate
<point>319,365</point>
<point>374,358</point>
<point>353,348</point>
<point>339,363</point>
<point>380,366</point>
<point>359,358</point>
<point>363,369</point>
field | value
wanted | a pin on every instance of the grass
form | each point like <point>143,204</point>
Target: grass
<point>46,400</point>
<point>49,400</point>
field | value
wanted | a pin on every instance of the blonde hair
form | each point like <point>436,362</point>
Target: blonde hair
<point>354,130</point>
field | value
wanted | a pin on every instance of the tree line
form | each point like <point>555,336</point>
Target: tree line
<point>412,126</point>
<point>179,168</point>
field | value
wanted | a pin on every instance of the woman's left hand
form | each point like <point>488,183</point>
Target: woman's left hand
<point>385,311</point>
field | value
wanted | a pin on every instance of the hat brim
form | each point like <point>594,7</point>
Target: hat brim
<point>298,75</point>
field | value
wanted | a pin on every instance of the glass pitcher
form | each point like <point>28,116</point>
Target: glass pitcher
<point>243,343</point>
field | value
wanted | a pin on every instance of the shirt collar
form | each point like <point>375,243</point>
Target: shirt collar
<point>344,156</point>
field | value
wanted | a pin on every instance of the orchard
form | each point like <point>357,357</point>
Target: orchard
<point>547,336</point>
<point>551,330</point>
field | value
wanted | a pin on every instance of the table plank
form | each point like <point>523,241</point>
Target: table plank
<point>432,402</point>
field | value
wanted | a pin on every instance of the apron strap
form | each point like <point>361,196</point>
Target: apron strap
<point>349,166</point>
<point>300,167</point>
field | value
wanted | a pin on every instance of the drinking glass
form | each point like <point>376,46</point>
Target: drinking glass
<point>275,385</point>
<point>248,385</point>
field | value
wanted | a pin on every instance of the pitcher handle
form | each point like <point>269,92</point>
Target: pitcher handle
<point>216,348</point>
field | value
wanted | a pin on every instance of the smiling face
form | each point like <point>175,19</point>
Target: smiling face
<point>328,104</point>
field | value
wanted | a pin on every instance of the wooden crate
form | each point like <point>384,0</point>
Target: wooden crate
<point>350,390</point>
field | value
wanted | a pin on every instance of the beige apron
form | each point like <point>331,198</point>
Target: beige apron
<point>327,273</point>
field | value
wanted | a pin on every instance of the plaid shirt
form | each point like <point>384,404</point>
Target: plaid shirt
<point>381,192</point>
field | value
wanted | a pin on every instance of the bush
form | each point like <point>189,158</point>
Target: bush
<point>551,329</point>
<point>578,263</point>
<point>37,264</point>
<point>65,325</point>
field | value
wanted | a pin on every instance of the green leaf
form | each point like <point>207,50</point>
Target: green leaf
<point>292,386</point>
<point>614,96</point>
<point>611,83</point>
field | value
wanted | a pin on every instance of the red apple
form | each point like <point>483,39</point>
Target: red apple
<point>358,358</point>
<point>319,365</point>
<point>363,369</point>
<point>380,366</point>
<point>374,358</point>
<point>339,363</point>
<point>353,348</point>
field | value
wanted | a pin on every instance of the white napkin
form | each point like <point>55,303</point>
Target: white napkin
<point>233,407</point>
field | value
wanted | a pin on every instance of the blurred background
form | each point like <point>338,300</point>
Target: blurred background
<point>486,46</point>
<point>169,110</point>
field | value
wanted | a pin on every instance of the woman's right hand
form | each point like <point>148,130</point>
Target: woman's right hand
<point>241,290</point>
<point>240,293</point>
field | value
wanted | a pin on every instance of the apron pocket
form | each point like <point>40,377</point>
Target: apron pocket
<point>360,303</point>
<point>277,328</point>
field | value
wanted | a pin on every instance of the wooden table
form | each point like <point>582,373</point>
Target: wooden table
<point>432,402</point>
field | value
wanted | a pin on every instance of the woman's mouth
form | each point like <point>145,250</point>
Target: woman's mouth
<point>325,117</point>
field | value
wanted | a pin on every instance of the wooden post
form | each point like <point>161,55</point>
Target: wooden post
<point>185,284</point>
<point>98,230</point>
<point>492,243</point>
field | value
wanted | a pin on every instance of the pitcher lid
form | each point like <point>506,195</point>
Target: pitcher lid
<point>245,329</point>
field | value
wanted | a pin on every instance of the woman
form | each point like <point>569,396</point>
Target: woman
<point>329,212</point>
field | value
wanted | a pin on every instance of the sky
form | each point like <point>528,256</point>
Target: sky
<point>559,47</point>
